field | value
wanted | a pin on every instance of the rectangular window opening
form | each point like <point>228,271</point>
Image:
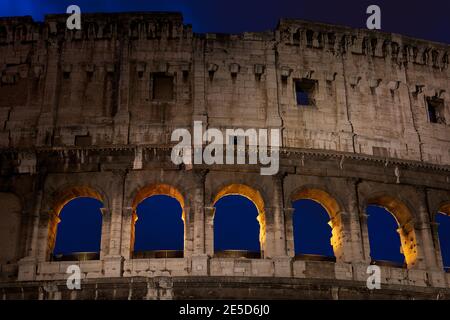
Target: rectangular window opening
<point>435,109</point>
<point>162,87</point>
<point>304,92</point>
<point>83,141</point>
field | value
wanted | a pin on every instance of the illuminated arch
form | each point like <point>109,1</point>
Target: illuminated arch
<point>442,217</point>
<point>69,194</point>
<point>252,195</point>
<point>333,209</point>
<point>153,190</point>
<point>405,222</point>
<point>61,199</point>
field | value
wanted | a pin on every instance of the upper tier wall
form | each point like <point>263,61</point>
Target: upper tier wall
<point>97,86</point>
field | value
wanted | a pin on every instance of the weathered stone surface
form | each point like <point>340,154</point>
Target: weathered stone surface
<point>80,116</point>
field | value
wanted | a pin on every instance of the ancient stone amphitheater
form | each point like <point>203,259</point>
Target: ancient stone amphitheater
<point>90,112</point>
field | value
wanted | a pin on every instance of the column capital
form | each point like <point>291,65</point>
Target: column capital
<point>209,212</point>
<point>105,212</point>
<point>127,211</point>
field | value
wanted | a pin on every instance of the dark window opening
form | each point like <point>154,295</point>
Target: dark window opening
<point>236,227</point>
<point>185,75</point>
<point>296,38</point>
<point>211,75</point>
<point>385,245</point>
<point>312,233</point>
<point>3,34</point>
<point>159,229</point>
<point>304,92</point>
<point>309,38</point>
<point>80,229</point>
<point>443,222</point>
<point>162,87</point>
<point>436,110</point>
<point>83,141</point>
<point>89,75</point>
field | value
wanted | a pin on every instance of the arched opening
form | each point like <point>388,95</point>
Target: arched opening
<point>79,231</point>
<point>384,239</point>
<point>315,211</point>
<point>158,229</point>
<point>312,231</point>
<point>10,222</point>
<point>239,222</point>
<point>443,221</point>
<point>391,233</point>
<point>76,225</point>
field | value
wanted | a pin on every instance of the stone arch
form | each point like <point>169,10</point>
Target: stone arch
<point>153,190</point>
<point>60,199</point>
<point>405,221</point>
<point>442,248</point>
<point>10,227</point>
<point>333,209</point>
<point>254,196</point>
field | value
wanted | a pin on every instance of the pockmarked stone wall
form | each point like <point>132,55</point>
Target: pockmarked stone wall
<point>90,113</point>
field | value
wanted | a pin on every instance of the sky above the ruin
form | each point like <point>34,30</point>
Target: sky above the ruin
<point>421,19</point>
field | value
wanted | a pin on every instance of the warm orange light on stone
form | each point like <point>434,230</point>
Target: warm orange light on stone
<point>61,199</point>
<point>333,210</point>
<point>159,189</point>
<point>406,231</point>
<point>68,195</point>
<point>445,209</point>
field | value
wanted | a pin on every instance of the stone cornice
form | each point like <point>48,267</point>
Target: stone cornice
<point>284,152</point>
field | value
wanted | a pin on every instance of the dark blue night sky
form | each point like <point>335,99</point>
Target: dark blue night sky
<point>384,245</point>
<point>311,230</point>
<point>159,225</point>
<point>416,18</point>
<point>235,225</point>
<point>80,227</point>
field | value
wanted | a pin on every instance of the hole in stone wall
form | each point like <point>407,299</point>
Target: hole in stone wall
<point>236,227</point>
<point>444,238</point>
<point>79,230</point>
<point>436,110</point>
<point>304,91</point>
<point>159,229</point>
<point>312,233</point>
<point>296,38</point>
<point>309,38</point>
<point>385,245</point>
<point>163,87</point>
<point>83,141</point>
